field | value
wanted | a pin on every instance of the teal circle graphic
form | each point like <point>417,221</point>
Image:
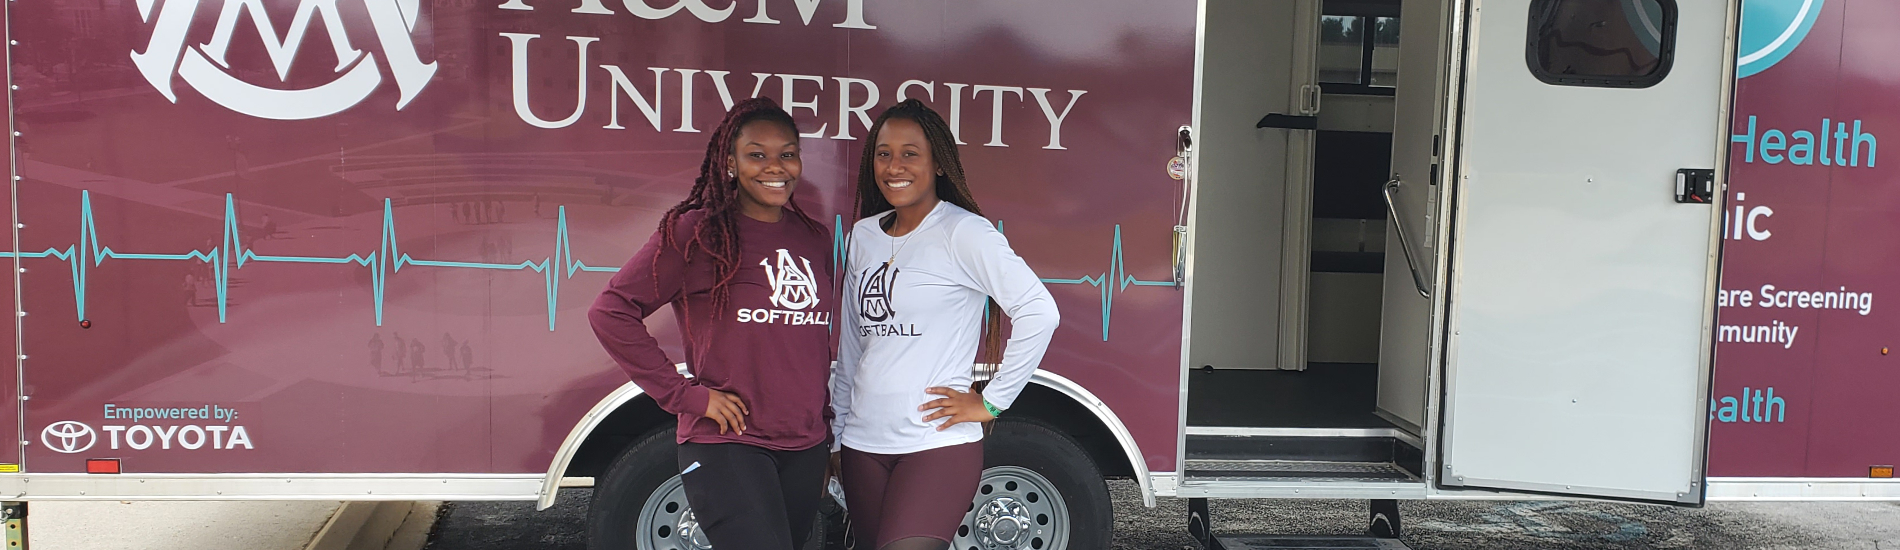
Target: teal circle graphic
<point>1770,30</point>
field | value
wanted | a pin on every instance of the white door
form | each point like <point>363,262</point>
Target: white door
<point>1581,289</point>
<point>1255,104</point>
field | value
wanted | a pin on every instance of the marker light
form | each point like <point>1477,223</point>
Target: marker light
<point>1882,472</point>
<point>111,466</point>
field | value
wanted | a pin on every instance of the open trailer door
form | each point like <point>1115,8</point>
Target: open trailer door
<point>1585,240</point>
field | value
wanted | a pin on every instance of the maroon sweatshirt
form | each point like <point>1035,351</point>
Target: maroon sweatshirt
<point>770,344</point>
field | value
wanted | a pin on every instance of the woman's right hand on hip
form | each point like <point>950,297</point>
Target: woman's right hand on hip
<point>728,410</point>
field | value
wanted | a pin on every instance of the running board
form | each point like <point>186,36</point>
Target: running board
<point>1304,470</point>
<point>1227,487</point>
<point>1270,451</point>
<point>1217,478</point>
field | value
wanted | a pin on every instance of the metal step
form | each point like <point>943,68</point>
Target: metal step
<point>1246,487</point>
<point>1294,446</point>
<point>1307,542</point>
<point>1297,469</point>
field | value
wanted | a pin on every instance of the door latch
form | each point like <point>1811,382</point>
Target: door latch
<point>1695,186</point>
<point>1290,122</point>
<point>1308,117</point>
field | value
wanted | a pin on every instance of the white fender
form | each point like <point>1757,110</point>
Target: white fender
<point>627,392</point>
<point>1088,400</point>
<point>562,456</point>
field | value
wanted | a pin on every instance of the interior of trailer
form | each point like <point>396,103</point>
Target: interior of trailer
<point>1301,359</point>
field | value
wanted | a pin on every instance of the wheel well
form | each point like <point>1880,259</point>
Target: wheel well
<point>641,416</point>
<point>1071,418</point>
<point>622,427</point>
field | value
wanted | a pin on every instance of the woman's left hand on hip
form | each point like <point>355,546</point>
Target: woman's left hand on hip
<point>957,406</point>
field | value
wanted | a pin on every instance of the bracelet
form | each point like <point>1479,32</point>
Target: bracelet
<point>992,408</point>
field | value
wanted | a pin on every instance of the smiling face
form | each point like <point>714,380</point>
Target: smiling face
<point>765,160</point>
<point>905,172</point>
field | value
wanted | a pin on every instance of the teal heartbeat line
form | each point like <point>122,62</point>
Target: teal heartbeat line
<point>1114,281</point>
<point>1111,282</point>
<point>232,255</point>
<point>839,231</point>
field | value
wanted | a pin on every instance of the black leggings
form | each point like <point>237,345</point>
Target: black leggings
<point>752,497</point>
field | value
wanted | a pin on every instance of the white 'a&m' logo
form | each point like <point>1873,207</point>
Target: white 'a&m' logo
<point>203,66</point>
<point>792,288</point>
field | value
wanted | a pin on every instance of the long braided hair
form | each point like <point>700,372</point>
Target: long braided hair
<point>717,233</point>
<point>951,187</point>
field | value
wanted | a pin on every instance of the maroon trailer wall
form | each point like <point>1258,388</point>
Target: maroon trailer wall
<point>404,290</point>
<point>1806,390</point>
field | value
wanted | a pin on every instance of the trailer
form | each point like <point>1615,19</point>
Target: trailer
<point>1349,249</point>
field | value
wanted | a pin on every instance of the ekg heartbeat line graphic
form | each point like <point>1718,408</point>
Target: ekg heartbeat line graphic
<point>1111,282</point>
<point>232,254</point>
<point>838,250</point>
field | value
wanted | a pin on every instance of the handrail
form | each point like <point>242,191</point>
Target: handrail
<point>1183,149</point>
<point>1392,213</point>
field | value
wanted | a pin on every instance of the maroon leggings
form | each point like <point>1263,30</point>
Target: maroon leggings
<point>921,494</point>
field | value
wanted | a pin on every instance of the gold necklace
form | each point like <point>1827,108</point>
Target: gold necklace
<point>897,246</point>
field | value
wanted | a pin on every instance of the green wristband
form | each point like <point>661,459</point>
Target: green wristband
<point>992,408</point>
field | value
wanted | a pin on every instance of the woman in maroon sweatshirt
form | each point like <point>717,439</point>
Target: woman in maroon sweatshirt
<point>736,262</point>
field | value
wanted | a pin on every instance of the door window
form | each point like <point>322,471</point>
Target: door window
<point>1385,51</point>
<point>1359,50</point>
<point>1605,43</point>
<point>1341,49</point>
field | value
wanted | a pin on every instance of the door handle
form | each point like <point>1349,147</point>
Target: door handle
<point>1695,186</point>
<point>1290,122</point>
<point>1392,213</point>
<point>1184,150</point>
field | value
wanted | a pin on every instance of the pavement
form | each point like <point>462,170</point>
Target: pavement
<point>114,525</point>
<point>512,525</point>
<point>230,525</point>
<point>1429,525</point>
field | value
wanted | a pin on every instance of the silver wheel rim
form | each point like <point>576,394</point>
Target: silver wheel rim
<point>666,522</point>
<point>1015,509</point>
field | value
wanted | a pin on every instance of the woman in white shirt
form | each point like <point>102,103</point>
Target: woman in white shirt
<point>928,281</point>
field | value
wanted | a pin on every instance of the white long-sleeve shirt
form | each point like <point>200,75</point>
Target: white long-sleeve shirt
<point>915,323</point>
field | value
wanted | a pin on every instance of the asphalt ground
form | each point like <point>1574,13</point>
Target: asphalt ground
<point>1429,525</point>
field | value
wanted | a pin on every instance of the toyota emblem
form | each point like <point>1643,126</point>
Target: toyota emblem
<point>68,437</point>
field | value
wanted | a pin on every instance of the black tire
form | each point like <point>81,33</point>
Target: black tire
<point>634,478</point>
<point>1034,446</point>
<point>630,482</point>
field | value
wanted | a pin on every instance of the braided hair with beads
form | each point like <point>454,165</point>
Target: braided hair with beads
<point>716,191</point>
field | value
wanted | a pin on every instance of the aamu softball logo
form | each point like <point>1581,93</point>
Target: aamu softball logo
<point>874,304</point>
<point>357,74</point>
<point>794,289</point>
<point>874,300</point>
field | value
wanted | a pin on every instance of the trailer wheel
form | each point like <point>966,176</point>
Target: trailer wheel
<point>1039,491</point>
<point>641,504</point>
